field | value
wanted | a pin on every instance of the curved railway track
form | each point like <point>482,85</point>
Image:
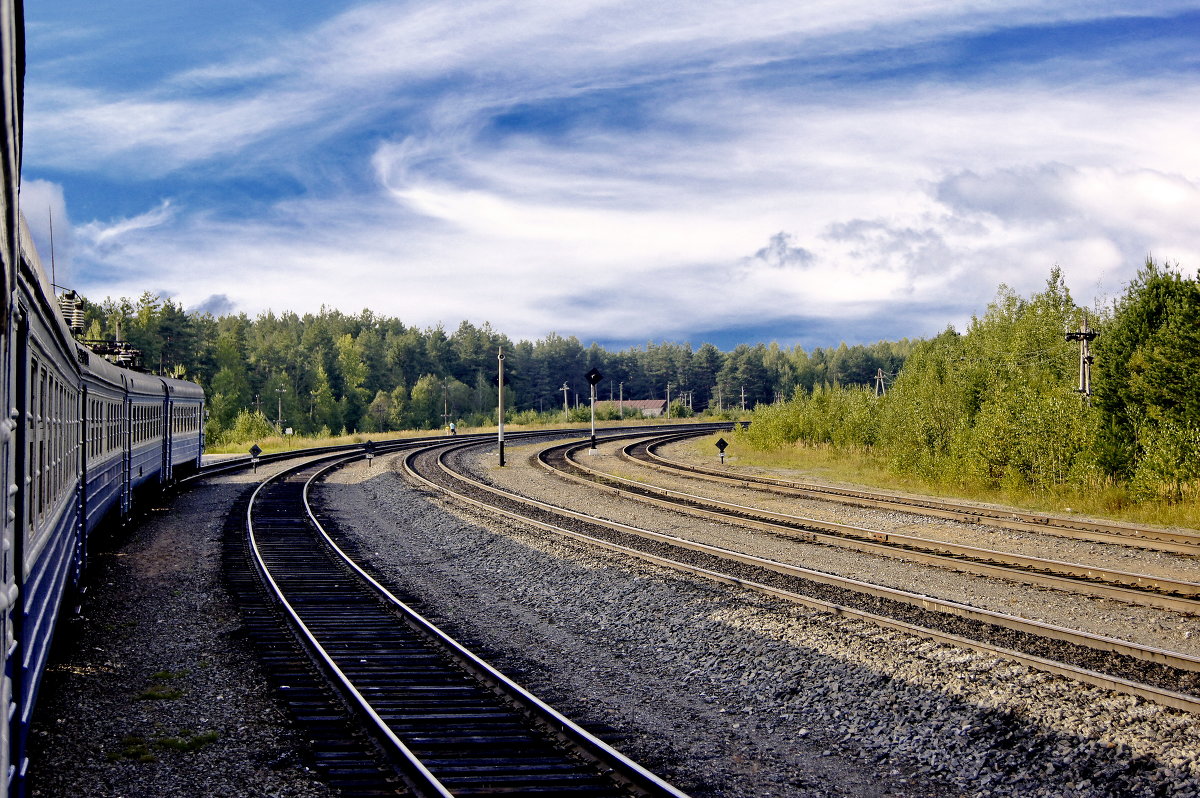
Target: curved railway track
<point>1166,677</point>
<point>450,723</point>
<point>1153,591</point>
<point>1179,541</point>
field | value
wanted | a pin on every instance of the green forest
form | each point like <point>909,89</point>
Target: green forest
<point>999,406</point>
<point>996,405</point>
<point>331,373</point>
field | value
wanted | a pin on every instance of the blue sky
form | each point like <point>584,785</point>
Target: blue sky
<point>807,173</point>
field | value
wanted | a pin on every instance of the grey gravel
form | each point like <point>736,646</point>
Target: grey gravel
<point>719,690</point>
<point>1159,628</point>
<point>725,692</point>
<point>156,664</point>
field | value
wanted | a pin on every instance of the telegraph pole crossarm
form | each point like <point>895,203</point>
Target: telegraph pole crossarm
<point>1084,336</point>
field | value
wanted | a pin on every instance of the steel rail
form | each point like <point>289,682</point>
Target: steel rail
<point>387,445</point>
<point>417,769</point>
<point>1073,636</point>
<point>1167,540</point>
<point>560,725</point>
<point>1158,592</point>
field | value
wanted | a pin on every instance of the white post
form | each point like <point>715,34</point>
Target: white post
<point>500,411</point>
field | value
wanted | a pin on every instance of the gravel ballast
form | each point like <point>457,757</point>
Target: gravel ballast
<point>153,691</point>
<point>727,693</point>
<point>720,691</point>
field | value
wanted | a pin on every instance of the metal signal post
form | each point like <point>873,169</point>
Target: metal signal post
<point>593,378</point>
<point>500,408</point>
<point>1085,336</point>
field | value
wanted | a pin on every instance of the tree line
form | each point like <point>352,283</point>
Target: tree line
<point>1000,405</point>
<point>333,372</point>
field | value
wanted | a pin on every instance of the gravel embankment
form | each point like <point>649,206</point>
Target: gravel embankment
<point>1145,625</point>
<point>153,694</point>
<point>727,693</point>
<point>1034,544</point>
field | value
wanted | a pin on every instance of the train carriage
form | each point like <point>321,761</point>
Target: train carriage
<point>104,423</point>
<point>79,437</point>
<point>145,406</point>
<point>47,448</point>
<point>185,443</point>
<point>12,70</point>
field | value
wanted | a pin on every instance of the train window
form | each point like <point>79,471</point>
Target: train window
<point>56,440</point>
<point>41,441</point>
<point>55,435</point>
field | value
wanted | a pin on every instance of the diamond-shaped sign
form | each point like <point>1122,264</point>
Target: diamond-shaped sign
<point>594,377</point>
<point>721,444</point>
<point>255,451</point>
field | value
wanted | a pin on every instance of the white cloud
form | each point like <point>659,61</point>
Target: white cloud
<point>45,210</point>
<point>102,237</point>
<point>494,53</point>
<point>722,198</point>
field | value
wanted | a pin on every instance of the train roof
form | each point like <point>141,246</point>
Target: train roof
<point>182,389</point>
<point>145,384</point>
<point>95,367</point>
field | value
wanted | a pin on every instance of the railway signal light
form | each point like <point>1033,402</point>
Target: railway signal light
<point>593,377</point>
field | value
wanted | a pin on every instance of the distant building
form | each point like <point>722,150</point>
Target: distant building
<point>652,408</point>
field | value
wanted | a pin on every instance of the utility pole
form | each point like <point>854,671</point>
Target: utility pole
<point>279,407</point>
<point>257,404</point>
<point>53,270</point>
<point>743,398</point>
<point>880,388</point>
<point>500,410</point>
<point>621,401</point>
<point>1085,336</point>
<point>668,401</point>
<point>564,389</point>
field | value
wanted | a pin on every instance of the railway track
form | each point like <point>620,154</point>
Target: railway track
<point>1159,675</point>
<point>1178,541</point>
<point>1134,588</point>
<point>445,721</point>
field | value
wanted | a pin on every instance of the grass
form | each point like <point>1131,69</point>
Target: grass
<point>862,467</point>
<point>160,692</point>
<point>157,691</point>
<point>141,749</point>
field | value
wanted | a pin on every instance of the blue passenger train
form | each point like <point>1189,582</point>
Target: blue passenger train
<point>80,440</point>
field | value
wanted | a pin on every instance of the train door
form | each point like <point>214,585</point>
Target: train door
<point>11,442</point>
<point>87,417</point>
<point>24,460</point>
<point>168,433</point>
<point>126,452</point>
